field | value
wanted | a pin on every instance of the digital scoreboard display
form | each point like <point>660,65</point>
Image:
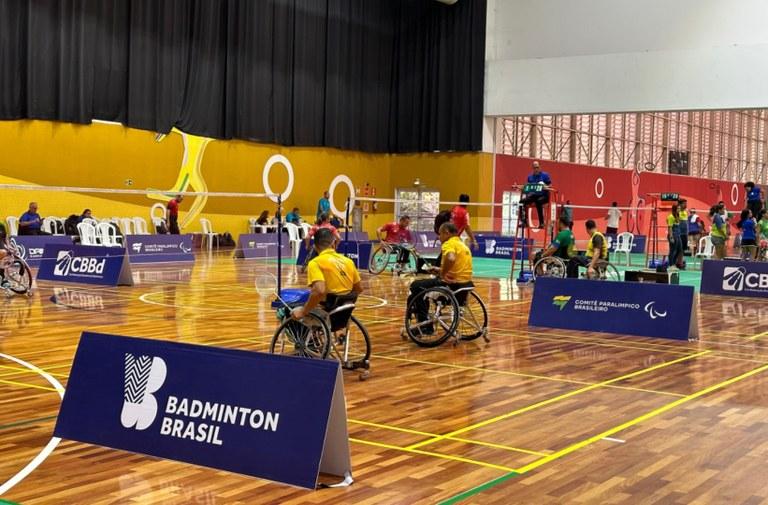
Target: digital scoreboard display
<point>670,197</point>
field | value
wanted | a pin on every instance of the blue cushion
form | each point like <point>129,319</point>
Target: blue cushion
<point>291,296</point>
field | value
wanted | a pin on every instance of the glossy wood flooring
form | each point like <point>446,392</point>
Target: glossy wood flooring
<point>536,417</point>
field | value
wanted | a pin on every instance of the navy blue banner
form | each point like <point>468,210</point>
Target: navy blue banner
<point>31,247</point>
<point>638,243</point>
<point>626,308</point>
<point>735,278</point>
<point>85,264</point>
<point>159,248</point>
<point>261,245</point>
<point>257,414</point>
<point>359,252</point>
<point>498,246</point>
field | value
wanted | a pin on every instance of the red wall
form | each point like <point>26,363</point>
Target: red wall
<point>581,184</point>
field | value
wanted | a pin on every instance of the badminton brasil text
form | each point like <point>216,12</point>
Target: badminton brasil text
<point>215,415</point>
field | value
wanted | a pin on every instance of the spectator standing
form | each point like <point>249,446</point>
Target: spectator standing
<point>173,214</point>
<point>324,205</point>
<point>613,217</point>
<point>754,198</point>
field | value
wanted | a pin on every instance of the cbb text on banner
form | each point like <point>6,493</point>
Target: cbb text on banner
<point>276,417</point>
<point>625,308</point>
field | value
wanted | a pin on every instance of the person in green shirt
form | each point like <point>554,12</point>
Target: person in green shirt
<point>762,225</point>
<point>563,246</point>
<point>719,231</point>
<point>673,236</point>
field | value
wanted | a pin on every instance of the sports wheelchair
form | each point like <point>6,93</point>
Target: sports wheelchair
<point>15,274</point>
<point>312,336</point>
<point>385,254</point>
<point>459,313</point>
<point>553,266</point>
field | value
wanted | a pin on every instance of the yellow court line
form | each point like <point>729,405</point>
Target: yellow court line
<point>637,420</point>
<point>755,337</point>
<point>456,439</point>
<point>524,375</point>
<point>553,400</point>
<point>24,384</point>
<point>433,454</point>
<point>25,370</point>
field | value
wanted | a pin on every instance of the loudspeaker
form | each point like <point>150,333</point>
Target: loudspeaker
<point>678,162</point>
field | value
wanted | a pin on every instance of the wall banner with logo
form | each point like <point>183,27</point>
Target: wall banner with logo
<point>261,245</point>
<point>359,252</point>
<point>626,308</point>
<point>106,266</point>
<point>270,416</point>
<point>159,248</point>
<point>498,246</point>
<point>735,278</point>
<point>31,247</point>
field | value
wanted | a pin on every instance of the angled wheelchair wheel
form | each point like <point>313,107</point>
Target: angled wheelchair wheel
<point>473,319</point>
<point>551,266</point>
<point>442,317</point>
<point>608,272</point>
<point>379,259</point>
<point>353,349</point>
<point>19,277</point>
<point>308,338</point>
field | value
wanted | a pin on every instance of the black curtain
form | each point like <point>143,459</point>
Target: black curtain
<point>369,75</point>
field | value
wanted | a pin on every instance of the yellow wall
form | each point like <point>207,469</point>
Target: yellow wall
<point>107,156</point>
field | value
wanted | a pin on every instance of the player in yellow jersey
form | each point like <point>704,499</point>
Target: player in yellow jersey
<point>597,249</point>
<point>334,280</point>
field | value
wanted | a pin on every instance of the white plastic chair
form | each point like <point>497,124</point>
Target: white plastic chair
<point>90,221</point>
<point>87,233</point>
<point>126,225</point>
<point>293,238</point>
<point>624,242</point>
<point>252,225</point>
<point>50,225</point>
<point>13,225</point>
<point>107,232</point>
<point>706,249</point>
<point>140,226</point>
<point>208,233</point>
<point>305,227</point>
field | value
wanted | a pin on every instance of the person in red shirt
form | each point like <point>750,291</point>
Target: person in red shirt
<point>323,222</point>
<point>173,214</point>
<point>460,219</point>
<point>398,235</point>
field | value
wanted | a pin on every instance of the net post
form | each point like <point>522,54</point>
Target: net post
<point>346,220</point>
<point>279,243</point>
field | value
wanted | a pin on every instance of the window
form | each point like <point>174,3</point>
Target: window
<point>421,205</point>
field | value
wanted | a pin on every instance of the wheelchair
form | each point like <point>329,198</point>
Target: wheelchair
<point>386,254</point>
<point>553,266</point>
<point>15,274</point>
<point>460,314</point>
<point>311,337</point>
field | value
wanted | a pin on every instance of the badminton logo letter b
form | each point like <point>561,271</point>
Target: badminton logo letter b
<point>143,376</point>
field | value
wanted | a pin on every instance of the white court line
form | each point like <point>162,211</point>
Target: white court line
<point>145,298</point>
<point>617,440</point>
<point>50,446</point>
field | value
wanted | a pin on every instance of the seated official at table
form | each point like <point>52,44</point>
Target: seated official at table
<point>597,249</point>
<point>537,198</point>
<point>30,222</point>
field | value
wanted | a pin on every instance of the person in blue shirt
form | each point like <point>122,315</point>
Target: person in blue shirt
<point>324,205</point>
<point>754,198</point>
<point>30,222</point>
<point>748,228</point>
<point>537,198</point>
<point>293,216</point>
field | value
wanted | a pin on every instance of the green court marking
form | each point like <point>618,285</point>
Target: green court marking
<point>6,502</point>
<point>22,423</point>
<point>479,489</point>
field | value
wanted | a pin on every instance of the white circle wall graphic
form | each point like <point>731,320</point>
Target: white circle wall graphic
<point>734,194</point>
<point>599,183</point>
<point>277,158</point>
<point>335,182</point>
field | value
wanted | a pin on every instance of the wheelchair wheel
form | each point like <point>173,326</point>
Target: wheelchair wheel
<point>473,320</point>
<point>379,259</point>
<point>550,266</point>
<point>353,350</point>
<point>608,272</point>
<point>442,313</point>
<point>19,277</point>
<point>308,338</point>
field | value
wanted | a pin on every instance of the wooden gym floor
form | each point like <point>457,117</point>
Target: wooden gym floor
<point>538,416</point>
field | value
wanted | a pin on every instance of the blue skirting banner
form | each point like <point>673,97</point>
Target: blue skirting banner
<point>106,266</point>
<point>31,247</point>
<point>359,252</point>
<point>735,278</point>
<point>261,245</point>
<point>159,248</point>
<point>498,246</point>
<point>275,417</point>
<point>626,308</point>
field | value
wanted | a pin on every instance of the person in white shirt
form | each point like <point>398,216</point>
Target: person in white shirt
<point>613,217</point>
